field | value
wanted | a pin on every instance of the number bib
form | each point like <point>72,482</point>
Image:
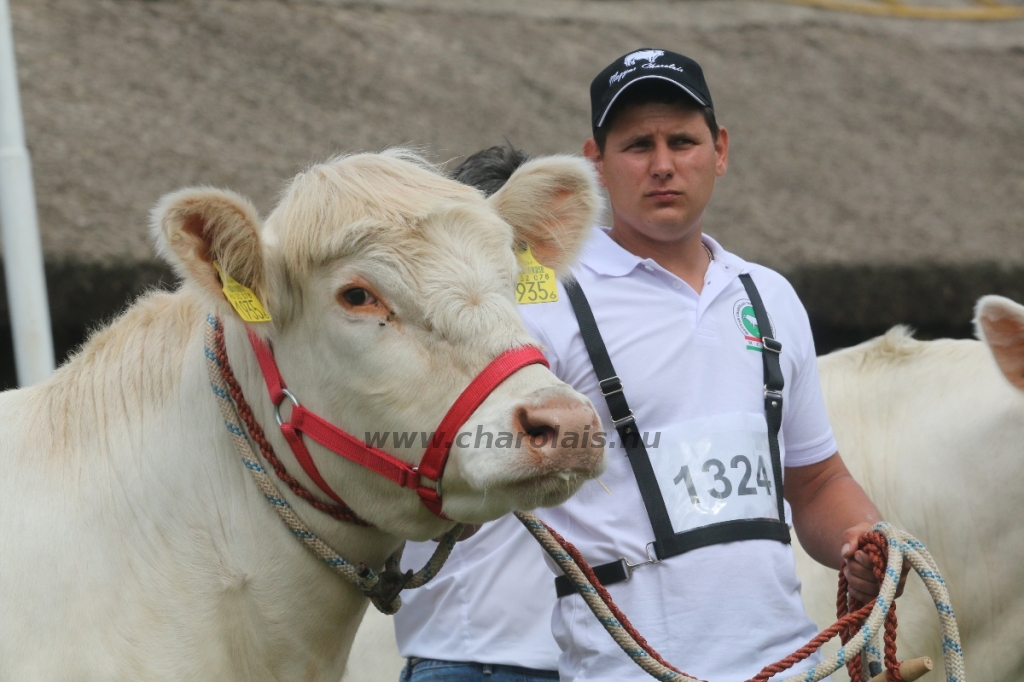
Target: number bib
<point>715,469</point>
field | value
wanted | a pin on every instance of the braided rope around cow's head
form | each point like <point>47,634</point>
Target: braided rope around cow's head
<point>381,588</point>
<point>901,545</point>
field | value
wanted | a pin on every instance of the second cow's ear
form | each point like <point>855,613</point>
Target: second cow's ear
<point>194,228</point>
<point>999,322</point>
<point>551,203</point>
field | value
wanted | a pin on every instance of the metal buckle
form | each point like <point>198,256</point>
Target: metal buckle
<point>277,408</point>
<point>774,395</point>
<point>437,483</point>
<point>625,420</point>
<point>630,567</point>
<point>613,388</point>
<point>774,345</point>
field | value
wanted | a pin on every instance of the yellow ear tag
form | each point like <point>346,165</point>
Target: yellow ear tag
<point>537,284</point>
<point>241,298</point>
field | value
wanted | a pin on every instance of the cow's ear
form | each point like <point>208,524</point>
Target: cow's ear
<point>194,228</point>
<point>551,203</point>
<point>999,322</point>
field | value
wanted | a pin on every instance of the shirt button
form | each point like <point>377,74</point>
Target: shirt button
<point>677,285</point>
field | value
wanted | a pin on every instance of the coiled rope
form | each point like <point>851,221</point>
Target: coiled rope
<point>896,544</point>
<point>383,587</point>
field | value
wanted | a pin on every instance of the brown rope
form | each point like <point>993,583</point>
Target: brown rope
<point>341,512</point>
<point>813,645</point>
<point>876,547</point>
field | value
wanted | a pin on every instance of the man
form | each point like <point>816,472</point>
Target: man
<point>711,358</point>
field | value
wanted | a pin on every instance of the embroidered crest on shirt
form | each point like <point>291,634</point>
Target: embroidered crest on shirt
<point>746,319</point>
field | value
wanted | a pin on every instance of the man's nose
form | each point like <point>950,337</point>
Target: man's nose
<point>661,162</point>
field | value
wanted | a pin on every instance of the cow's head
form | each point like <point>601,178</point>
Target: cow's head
<point>391,287</point>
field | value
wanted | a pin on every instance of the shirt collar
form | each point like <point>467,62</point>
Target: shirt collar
<point>603,255</point>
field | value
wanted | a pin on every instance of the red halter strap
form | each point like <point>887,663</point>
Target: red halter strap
<point>431,467</point>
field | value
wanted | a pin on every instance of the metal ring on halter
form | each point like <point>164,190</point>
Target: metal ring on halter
<point>277,408</point>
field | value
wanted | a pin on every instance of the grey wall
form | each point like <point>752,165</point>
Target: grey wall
<point>878,163</point>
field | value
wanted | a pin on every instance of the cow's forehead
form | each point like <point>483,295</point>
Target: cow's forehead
<point>394,202</point>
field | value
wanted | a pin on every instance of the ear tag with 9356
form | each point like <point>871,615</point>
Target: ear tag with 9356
<point>537,283</point>
<point>241,298</point>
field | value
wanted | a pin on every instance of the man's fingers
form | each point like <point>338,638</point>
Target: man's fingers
<point>861,567</point>
<point>861,578</point>
<point>851,538</point>
<point>903,578</point>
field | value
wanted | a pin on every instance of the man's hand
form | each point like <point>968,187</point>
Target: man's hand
<point>825,500</point>
<point>858,567</point>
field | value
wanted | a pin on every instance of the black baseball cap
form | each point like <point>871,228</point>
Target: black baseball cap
<point>646,64</point>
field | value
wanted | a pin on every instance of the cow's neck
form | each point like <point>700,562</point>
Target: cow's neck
<point>313,587</point>
<point>366,545</point>
<point>145,438</point>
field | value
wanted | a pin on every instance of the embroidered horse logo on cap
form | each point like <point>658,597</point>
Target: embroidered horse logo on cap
<point>648,55</point>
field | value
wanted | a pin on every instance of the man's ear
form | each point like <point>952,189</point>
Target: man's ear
<point>593,154</point>
<point>195,227</point>
<point>551,203</point>
<point>999,323</point>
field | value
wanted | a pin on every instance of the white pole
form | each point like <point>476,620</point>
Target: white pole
<point>23,252</point>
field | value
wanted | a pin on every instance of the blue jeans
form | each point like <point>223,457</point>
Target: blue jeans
<point>429,670</point>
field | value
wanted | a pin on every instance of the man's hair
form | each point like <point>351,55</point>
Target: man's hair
<point>653,92</point>
<point>489,169</point>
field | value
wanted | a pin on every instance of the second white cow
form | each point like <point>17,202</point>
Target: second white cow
<point>934,431</point>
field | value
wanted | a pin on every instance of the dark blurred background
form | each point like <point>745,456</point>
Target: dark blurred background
<point>877,162</point>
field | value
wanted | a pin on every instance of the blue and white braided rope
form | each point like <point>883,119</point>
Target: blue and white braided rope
<point>362,577</point>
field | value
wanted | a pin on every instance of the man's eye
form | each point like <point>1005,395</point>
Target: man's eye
<point>357,296</point>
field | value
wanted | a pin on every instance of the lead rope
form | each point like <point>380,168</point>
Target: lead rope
<point>900,545</point>
<point>382,588</point>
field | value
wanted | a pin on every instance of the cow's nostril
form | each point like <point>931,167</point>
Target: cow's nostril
<point>542,433</point>
<point>535,427</point>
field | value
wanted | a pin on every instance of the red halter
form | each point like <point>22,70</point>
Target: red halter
<point>339,442</point>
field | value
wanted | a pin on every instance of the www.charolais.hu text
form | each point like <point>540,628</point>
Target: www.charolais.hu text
<point>551,438</point>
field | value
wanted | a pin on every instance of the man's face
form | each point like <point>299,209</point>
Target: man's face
<point>659,166</point>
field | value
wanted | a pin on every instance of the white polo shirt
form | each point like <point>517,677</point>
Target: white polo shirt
<point>720,612</point>
<point>490,603</point>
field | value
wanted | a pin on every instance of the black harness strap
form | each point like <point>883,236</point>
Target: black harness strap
<point>622,416</point>
<point>774,382</point>
<point>667,543</point>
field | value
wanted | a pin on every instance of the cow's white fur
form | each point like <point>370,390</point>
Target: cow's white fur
<point>133,544</point>
<point>934,433</point>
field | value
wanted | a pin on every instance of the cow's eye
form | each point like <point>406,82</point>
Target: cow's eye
<point>358,296</point>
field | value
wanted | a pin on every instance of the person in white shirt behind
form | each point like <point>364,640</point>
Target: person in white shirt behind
<point>702,368</point>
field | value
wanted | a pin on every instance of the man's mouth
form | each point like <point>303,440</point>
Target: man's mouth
<point>663,194</point>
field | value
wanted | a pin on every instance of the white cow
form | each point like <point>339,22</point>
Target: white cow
<point>133,543</point>
<point>934,431</point>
